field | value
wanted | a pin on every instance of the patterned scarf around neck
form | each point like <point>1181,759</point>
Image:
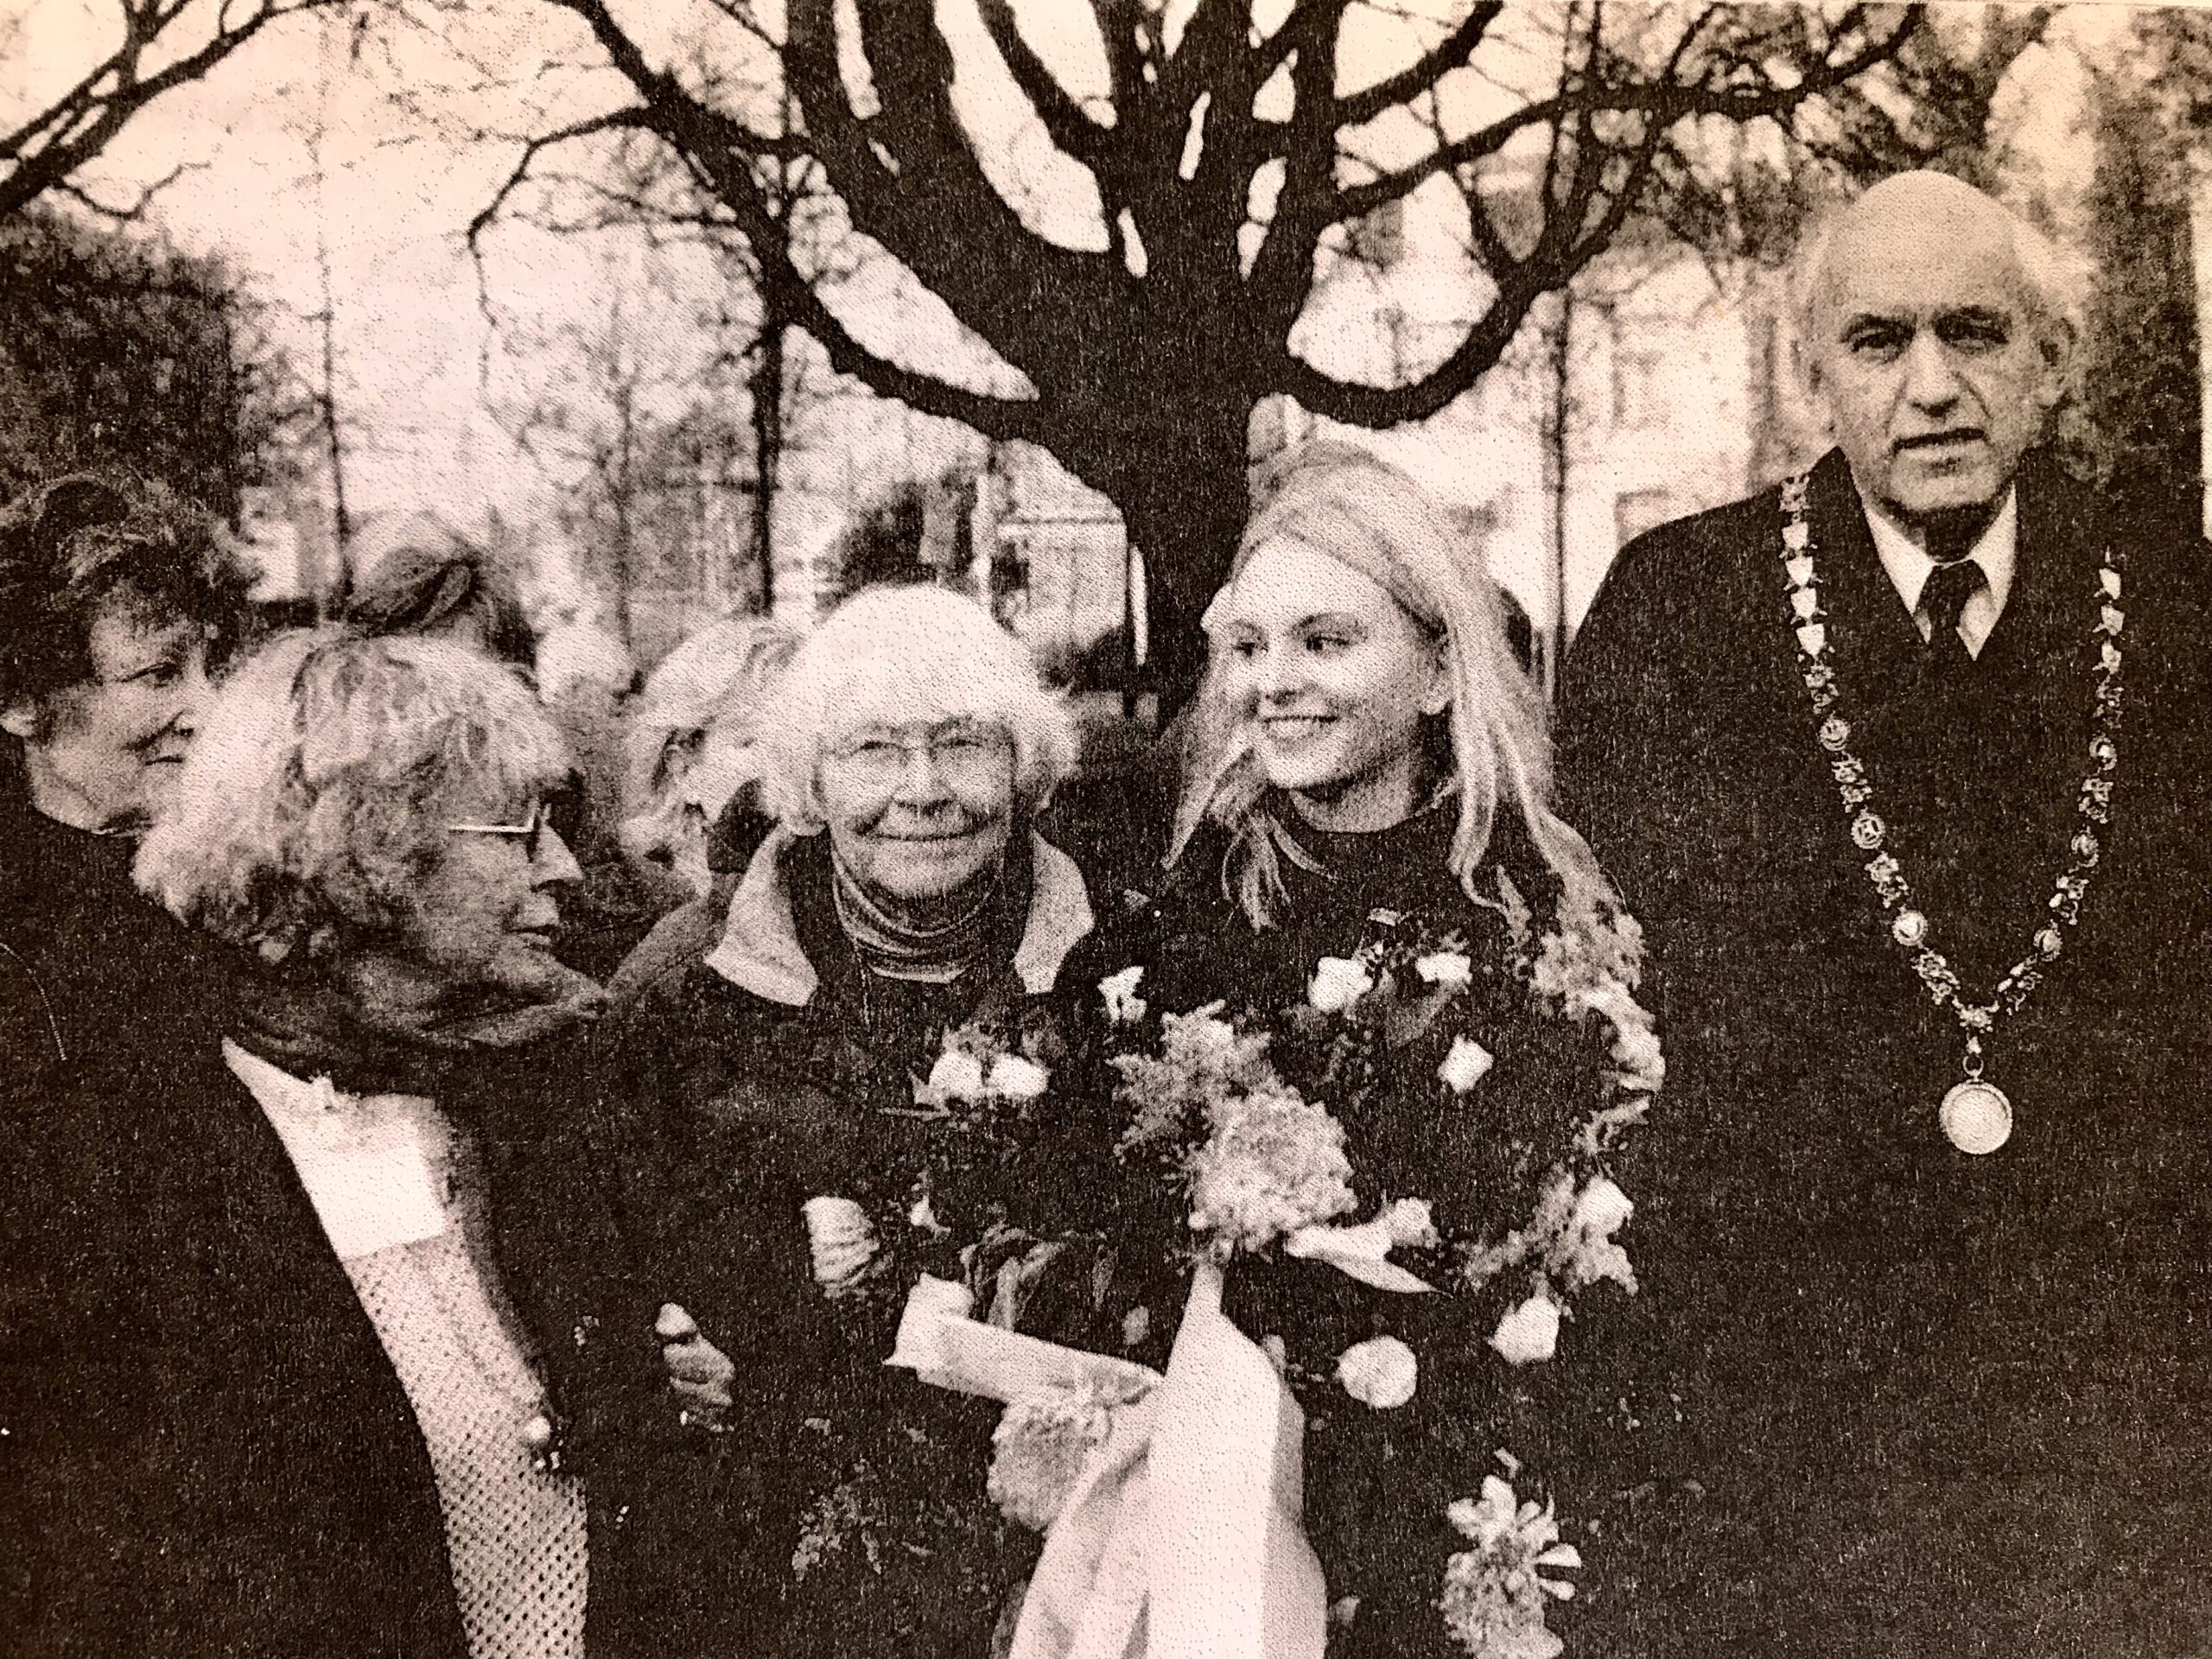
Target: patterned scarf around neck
<point>897,948</point>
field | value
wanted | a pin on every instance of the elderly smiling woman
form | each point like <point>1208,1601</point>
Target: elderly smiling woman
<point>895,934</point>
<point>421,1331</point>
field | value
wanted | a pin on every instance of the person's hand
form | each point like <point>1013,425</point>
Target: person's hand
<point>699,1374</point>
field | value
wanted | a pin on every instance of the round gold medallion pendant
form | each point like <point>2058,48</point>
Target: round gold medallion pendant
<point>1976,1117</point>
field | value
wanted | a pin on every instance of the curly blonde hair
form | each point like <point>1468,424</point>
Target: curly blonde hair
<point>319,786</point>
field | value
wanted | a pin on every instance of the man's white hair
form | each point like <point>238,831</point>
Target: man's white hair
<point>2058,277</point>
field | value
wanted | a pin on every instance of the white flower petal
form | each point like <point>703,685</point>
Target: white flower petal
<point>1464,1066</point>
<point>1602,1209</point>
<point>1013,1077</point>
<point>1529,1332</point>
<point>1449,969</point>
<point>1380,1372</point>
<point>957,1075</point>
<point>1339,981</point>
<point>1123,1006</point>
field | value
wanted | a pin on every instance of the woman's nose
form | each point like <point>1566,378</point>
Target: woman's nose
<point>1278,675</point>
<point>920,780</point>
<point>554,863</point>
<point>192,692</point>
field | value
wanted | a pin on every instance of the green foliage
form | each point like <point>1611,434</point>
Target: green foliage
<point>116,351</point>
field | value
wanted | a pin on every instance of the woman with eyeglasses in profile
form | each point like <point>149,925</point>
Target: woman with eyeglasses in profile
<point>903,923</point>
<point>379,1379</point>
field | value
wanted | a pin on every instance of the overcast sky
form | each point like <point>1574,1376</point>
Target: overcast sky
<point>396,194</point>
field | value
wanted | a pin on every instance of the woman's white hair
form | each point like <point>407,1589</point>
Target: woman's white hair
<point>319,786</point>
<point>1493,748</point>
<point>896,657</point>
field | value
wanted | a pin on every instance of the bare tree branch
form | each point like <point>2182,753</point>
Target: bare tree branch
<point>45,149</point>
<point>1449,54</point>
<point>1065,122</point>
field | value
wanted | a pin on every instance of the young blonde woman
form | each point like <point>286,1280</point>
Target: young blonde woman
<point>1367,870</point>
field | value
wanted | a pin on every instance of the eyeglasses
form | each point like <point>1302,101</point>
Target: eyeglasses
<point>955,749</point>
<point>530,831</point>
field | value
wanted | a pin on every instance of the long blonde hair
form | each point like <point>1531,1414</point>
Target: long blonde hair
<point>1495,747</point>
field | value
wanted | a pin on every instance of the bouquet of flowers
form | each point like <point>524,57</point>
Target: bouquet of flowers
<point>927,1195</point>
<point>1439,1127</point>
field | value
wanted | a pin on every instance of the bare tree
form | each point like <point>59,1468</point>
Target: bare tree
<point>158,46</point>
<point>1223,152</point>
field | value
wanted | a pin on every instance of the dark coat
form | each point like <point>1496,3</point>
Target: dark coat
<point>1377,1483</point>
<point>780,1069</point>
<point>203,1448</point>
<point>1942,1405</point>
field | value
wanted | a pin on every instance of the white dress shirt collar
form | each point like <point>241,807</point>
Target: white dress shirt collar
<point>1909,565</point>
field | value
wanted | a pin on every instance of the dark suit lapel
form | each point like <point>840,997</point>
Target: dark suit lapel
<point>2052,574</point>
<point>1877,646</point>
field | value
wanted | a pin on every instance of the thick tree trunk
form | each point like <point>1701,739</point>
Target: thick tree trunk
<point>1183,498</point>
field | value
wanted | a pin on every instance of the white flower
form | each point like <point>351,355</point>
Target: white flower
<point>1636,1049</point>
<point>840,1240</point>
<point>1339,981</point>
<point>1584,1253</point>
<point>1123,1006</point>
<point>1494,1592</point>
<point>1013,1077</point>
<point>1380,1372</point>
<point>1529,1332</point>
<point>1464,1065</point>
<point>1814,637</point>
<point>1273,1164</point>
<point>1449,969</point>
<point>1362,1252</point>
<point>924,1215</point>
<point>1038,1451</point>
<point>957,1075</point>
<point>1411,1222</point>
<point>1602,1209</point>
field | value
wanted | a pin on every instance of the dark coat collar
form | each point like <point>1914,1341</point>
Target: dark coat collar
<point>1876,642</point>
<point>761,950</point>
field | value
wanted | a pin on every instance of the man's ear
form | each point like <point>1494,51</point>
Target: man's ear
<point>1805,366</point>
<point>20,719</point>
<point>2055,376</point>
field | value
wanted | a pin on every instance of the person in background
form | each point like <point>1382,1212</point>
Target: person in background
<point>117,597</point>
<point>415,574</point>
<point>348,1363</point>
<point>692,785</point>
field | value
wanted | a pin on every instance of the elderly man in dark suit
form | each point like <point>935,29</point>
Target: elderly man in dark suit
<point>1898,762</point>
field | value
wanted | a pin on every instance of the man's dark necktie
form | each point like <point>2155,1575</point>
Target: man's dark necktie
<point>1949,587</point>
